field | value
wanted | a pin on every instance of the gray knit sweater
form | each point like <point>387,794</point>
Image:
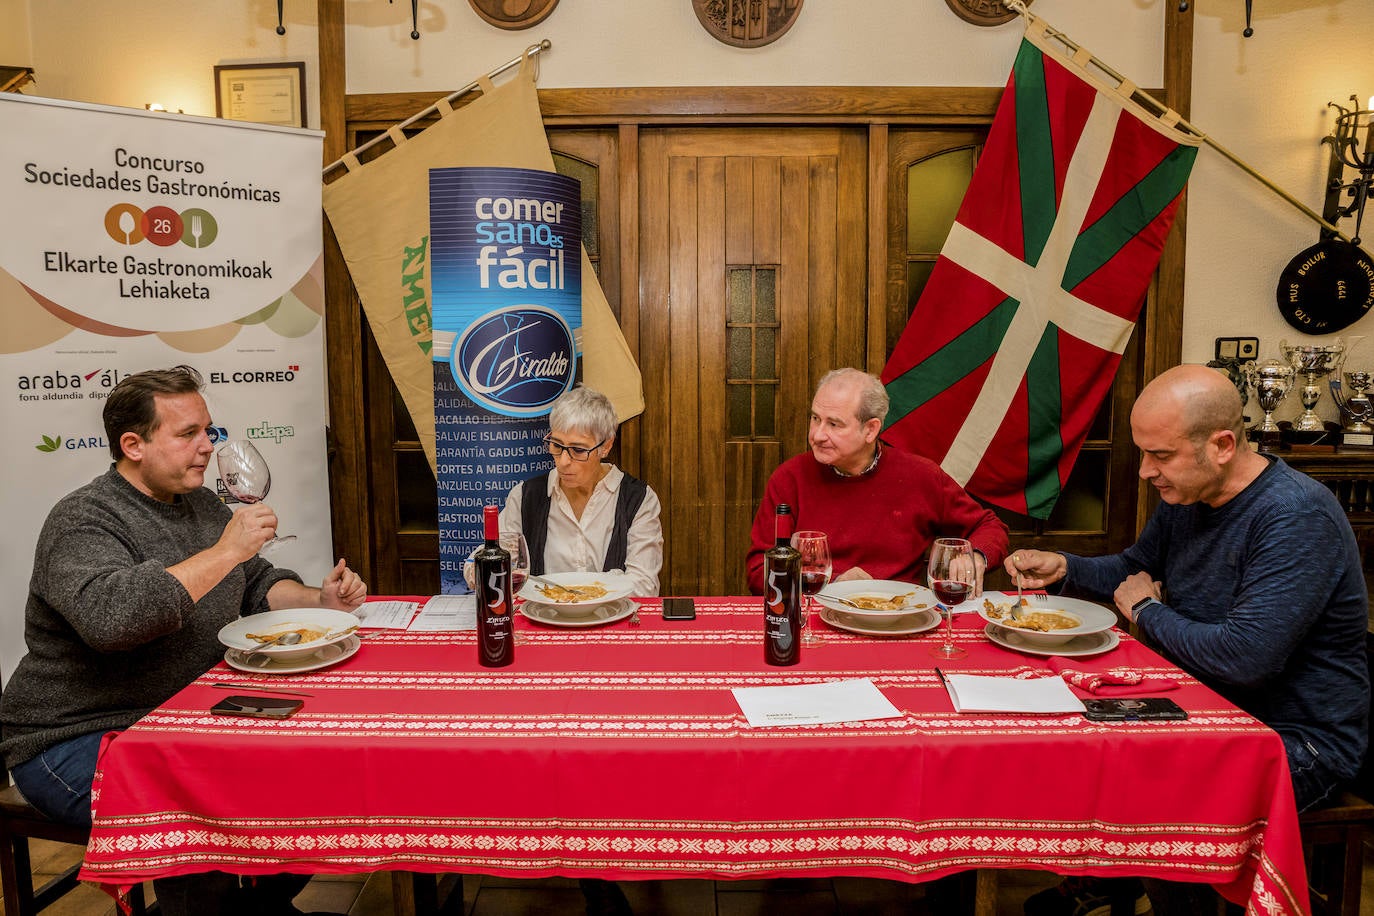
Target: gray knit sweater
<point>110,633</point>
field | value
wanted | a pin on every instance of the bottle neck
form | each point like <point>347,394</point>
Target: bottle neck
<point>782,530</point>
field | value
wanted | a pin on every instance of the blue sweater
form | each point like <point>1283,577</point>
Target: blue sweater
<point>1266,604</point>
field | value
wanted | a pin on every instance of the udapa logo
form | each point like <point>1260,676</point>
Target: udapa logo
<point>50,444</point>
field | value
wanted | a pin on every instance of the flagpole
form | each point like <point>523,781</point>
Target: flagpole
<point>531,51</point>
<point>1161,109</point>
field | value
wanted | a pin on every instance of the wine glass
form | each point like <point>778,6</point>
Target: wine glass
<point>513,542</point>
<point>814,548</point>
<point>951,578</point>
<point>246,477</point>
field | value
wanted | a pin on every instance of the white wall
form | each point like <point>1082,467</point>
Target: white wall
<point>1263,97</point>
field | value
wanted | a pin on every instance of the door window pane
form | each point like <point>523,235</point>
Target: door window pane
<point>751,359</point>
<point>934,189</point>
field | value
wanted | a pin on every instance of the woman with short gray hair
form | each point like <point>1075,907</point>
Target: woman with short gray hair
<point>586,515</point>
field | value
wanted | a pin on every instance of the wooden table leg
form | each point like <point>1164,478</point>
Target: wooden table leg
<point>414,894</point>
<point>985,896</point>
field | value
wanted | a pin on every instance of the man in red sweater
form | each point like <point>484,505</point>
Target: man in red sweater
<point>880,506</point>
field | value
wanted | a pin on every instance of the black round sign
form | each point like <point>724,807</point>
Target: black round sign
<point>1328,287</point>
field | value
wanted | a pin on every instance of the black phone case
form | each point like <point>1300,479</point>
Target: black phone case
<point>257,707</point>
<point>679,609</point>
<point>1127,709</point>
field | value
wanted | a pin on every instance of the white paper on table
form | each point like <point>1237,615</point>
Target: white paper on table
<point>447,612</point>
<point>386,615</point>
<point>977,693</point>
<point>814,704</point>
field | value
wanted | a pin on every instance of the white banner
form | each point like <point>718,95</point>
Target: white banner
<point>136,240</point>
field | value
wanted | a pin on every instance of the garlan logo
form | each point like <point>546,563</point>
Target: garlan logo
<point>50,444</point>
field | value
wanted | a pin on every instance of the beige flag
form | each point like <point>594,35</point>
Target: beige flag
<point>380,214</point>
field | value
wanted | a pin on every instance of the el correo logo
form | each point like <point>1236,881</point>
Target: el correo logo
<point>266,430</point>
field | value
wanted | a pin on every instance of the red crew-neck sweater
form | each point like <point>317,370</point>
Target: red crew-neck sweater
<point>884,520</point>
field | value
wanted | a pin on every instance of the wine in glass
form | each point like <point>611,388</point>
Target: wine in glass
<point>950,575</point>
<point>246,477</point>
<point>816,567</point>
<point>514,543</point>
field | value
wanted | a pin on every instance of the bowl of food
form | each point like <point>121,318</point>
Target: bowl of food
<point>575,593</point>
<point>875,598</point>
<point>294,632</point>
<point>1045,620</point>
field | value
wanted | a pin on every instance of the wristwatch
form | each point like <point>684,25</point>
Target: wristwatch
<point>1142,604</point>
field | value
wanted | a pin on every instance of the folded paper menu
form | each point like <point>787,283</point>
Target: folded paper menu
<point>814,704</point>
<point>977,693</point>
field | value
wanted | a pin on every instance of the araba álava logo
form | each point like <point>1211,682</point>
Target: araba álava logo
<point>516,361</point>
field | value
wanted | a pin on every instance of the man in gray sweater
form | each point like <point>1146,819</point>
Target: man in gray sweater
<point>133,576</point>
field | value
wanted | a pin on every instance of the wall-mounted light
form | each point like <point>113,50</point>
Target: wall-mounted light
<point>157,106</point>
<point>1352,147</point>
<point>414,19</point>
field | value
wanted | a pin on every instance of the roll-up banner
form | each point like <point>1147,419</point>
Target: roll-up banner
<point>507,288</point>
<point>136,240</point>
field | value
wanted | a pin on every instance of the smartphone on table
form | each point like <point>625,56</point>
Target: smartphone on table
<point>1127,709</point>
<point>679,609</point>
<point>257,707</point>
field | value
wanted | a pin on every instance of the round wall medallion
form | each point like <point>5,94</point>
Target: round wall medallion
<point>747,23</point>
<point>983,12</point>
<point>513,14</point>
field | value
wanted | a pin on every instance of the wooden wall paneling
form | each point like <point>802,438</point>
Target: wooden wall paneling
<point>852,252</point>
<point>794,348</point>
<point>682,403</point>
<point>740,456</point>
<point>710,468</point>
<point>626,241</point>
<point>653,286</point>
<point>383,477</point>
<point>879,292</point>
<point>822,319</point>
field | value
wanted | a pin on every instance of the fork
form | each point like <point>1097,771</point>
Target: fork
<point>197,230</point>
<point>1016,608</point>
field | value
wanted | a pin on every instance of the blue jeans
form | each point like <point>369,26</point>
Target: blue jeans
<point>58,783</point>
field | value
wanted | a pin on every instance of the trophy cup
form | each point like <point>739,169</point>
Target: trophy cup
<point>1356,409</point>
<point>1272,380</point>
<point>1312,362</point>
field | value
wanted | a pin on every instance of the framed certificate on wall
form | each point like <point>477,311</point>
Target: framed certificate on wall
<point>264,93</point>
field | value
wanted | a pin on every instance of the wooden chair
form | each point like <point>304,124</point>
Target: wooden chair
<point>21,822</point>
<point>1333,844</point>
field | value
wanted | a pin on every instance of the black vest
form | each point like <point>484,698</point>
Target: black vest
<point>534,519</point>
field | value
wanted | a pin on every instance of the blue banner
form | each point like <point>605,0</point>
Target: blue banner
<point>507,296</point>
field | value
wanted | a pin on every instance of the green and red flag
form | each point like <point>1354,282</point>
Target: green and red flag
<point>1018,333</point>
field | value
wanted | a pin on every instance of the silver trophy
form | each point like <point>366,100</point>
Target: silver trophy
<point>1356,409</point>
<point>1312,362</point>
<point>1272,380</point>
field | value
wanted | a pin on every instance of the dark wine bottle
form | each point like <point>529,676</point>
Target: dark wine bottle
<point>782,594</point>
<point>495,623</point>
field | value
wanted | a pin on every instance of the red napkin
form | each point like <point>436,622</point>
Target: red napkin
<point>1114,682</point>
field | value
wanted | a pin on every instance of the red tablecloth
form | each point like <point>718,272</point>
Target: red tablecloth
<point>619,752</point>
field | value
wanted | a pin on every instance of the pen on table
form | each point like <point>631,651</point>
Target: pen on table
<point>228,685</point>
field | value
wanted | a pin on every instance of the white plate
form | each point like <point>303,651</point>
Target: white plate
<point>550,614</point>
<point>1092,644</point>
<point>899,625</point>
<point>331,654</point>
<point>616,586</point>
<point>883,588</point>
<point>235,635</point>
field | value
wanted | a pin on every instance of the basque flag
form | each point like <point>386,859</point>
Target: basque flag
<point>1015,339</point>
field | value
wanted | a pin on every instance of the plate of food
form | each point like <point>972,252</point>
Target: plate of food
<point>307,629</point>
<point>875,598</point>
<point>894,625</point>
<point>580,617</point>
<point>575,589</point>
<point>1045,620</point>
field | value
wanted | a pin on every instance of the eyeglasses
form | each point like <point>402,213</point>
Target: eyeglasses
<point>575,452</point>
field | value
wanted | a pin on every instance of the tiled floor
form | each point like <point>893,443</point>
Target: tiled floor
<point>363,895</point>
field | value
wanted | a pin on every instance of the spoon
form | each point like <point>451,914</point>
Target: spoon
<point>281,639</point>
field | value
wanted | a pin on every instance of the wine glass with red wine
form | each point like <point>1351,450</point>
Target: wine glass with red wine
<point>816,567</point>
<point>246,477</point>
<point>950,574</point>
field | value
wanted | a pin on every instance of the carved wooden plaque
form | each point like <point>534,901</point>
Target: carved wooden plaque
<point>983,12</point>
<point>747,23</point>
<point>513,14</point>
